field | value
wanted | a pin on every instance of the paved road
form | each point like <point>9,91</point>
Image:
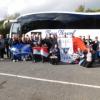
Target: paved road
<point>37,81</point>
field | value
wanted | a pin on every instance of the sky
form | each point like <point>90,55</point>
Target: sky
<point>9,7</point>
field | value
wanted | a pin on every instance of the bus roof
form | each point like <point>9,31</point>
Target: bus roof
<point>63,12</point>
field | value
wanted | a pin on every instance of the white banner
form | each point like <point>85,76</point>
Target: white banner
<point>66,48</point>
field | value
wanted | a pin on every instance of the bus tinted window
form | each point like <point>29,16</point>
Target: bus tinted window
<point>97,21</point>
<point>81,22</point>
<point>45,24</point>
<point>60,20</point>
<point>16,28</point>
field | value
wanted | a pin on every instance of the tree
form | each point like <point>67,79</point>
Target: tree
<point>14,16</point>
<point>81,8</point>
<point>2,29</point>
<point>89,10</point>
<point>5,24</point>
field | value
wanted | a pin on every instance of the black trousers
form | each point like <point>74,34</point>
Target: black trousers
<point>2,51</point>
<point>7,52</point>
<point>54,61</point>
<point>88,64</point>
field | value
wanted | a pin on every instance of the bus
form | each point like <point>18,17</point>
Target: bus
<point>81,23</point>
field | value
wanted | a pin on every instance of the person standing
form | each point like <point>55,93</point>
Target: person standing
<point>89,60</point>
<point>95,47</point>
<point>89,41</point>
<point>84,40</point>
<point>7,46</point>
<point>47,41</point>
<point>2,47</point>
<point>12,42</point>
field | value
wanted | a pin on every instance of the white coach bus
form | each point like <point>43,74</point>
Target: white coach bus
<point>82,23</point>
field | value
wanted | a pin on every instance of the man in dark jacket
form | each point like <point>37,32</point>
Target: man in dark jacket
<point>47,42</point>
<point>2,47</point>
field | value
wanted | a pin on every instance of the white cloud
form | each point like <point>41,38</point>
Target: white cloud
<point>51,5</point>
<point>3,12</point>
<point>4,3</point>
<point>15,6</point>
<point>28,6</point>
<point>22,5</point>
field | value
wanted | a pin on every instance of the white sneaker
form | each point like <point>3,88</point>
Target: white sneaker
<point>24,59</point>
<point>1,59</point>
<point>14,60</point>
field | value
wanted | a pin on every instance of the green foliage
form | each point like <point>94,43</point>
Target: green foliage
<point>1,27</point>
<point>4,29</point>
<point>81,8</point>
<point>89,10</point>
<point>11,17</point>
<point>92,10</point>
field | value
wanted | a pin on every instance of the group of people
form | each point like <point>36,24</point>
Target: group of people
<point>50,42</point>
<point>93,51</point>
